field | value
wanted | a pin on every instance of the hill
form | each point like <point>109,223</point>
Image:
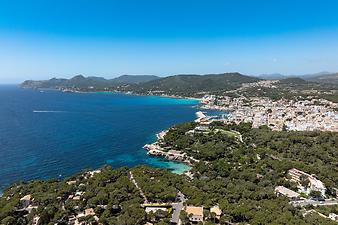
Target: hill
<point>82,82</point>
<point>321,77</point>
<point>78,81</point>
<point>134,79</point>
<point>185,85</point>
<point>273,76</point>
<point>325,78</point>
<point>293,81</point>
<point>192,84</point>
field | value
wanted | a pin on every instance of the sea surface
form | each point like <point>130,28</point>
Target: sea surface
<point>50,134</point>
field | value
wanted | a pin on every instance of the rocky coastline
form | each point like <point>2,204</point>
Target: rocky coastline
<point>155,149</point>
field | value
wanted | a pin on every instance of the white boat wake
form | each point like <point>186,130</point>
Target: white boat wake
<point>47,111</point>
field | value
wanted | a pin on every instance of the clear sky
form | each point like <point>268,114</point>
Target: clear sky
<point>40,39</point>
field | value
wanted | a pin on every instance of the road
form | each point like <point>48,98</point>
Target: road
<point>131,177</point>
<point>314,211</point>
<point>177,207</point>
<point>313,202</point>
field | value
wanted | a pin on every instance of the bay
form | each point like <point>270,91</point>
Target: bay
<point>51,134</point>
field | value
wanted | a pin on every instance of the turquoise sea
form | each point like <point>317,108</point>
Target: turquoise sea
<point>50,134</point>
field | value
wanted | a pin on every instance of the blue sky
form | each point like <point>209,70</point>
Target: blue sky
<point>40,39</point>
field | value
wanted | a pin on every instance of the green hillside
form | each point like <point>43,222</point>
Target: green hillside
<point>192,84</point>
<point>326,78</point>
<point>85,83</point>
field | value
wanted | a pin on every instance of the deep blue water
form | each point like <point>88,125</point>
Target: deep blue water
<point>48,134</point>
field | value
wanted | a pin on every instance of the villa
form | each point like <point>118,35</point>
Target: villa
<point>283,191</point>
<point>87,212</point>
<point>217,211</point>
<point>314,183</point>
<point>26,201</point>
<point>204,125</point>
<point>36,220</point>
<point>153,209</point>
<point>195,214</point>
<point>333,216</point>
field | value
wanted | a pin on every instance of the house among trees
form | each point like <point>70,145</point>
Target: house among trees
<point>154,209</point>
<point>217,211</point>
<point>204,125</point>
<point>26,204</point>
<point>333,216</point>
<point>26,201</point>
<point>86,213</point>
<point>35,220</point>
<point>194,213</point>
<point>306,181</point>
<point>283,191</point>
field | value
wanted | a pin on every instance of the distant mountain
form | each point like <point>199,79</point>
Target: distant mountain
<point>78,81</point>
<point>321,77</point>
<point>293,80</point>
<point>134,79</point>
<point>311,75</point>
<point>331,78</point>
<point>176,85</point>
<point>273,76</point>
<point>188,84</point>
<point>82,82</point>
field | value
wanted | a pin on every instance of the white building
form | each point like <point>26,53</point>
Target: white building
<point>333,216</point>
<point>26,201</point>
<point>314,183</point>
<point>153,209</point>
<point>292,195</point>
<point>217,211</point>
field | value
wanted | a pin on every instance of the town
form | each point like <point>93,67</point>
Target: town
<point>294,115</point>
